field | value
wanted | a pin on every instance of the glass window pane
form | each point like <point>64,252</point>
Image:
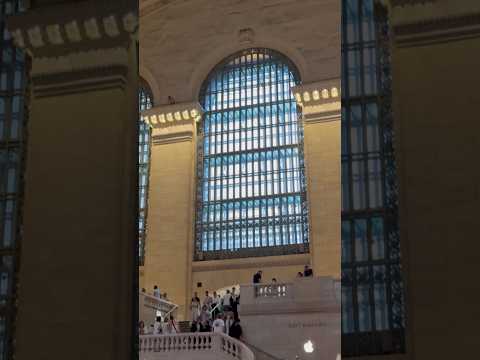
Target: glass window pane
<point>255,142</point>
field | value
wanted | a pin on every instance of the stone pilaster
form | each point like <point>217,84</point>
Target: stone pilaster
<point>169,244</point>
<point>321,114</point>
<point>76,295</point>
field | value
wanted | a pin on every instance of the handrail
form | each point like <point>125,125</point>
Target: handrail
<point>214,308</point>
<point>175,307</point>
<point>157,298</point>
<point>191,342</point>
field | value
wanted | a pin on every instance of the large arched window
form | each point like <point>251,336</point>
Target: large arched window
<point>251,195</point>
<point>145,102</point>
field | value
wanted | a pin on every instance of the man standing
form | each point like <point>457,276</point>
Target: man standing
<point>257,278</point>
<point>307,272</point>
<point>208,301</point>
<point>235,302</point>
<point>236,329</point>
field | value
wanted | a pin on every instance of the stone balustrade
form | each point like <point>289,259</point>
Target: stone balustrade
<point>199,346</point>
<point>272,290</point>
<point>312,294</point>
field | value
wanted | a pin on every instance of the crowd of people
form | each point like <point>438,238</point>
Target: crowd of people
<point>216,313</point>
<point>165,327</point>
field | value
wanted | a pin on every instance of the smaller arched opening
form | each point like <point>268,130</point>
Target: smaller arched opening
<point>145,102</point>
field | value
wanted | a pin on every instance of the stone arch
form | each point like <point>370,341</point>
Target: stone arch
<point>146,75</point>
<point>220,53</point>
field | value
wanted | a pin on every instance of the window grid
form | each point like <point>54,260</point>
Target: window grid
<point>251,193</point>
<point>13,118</point>
<point>145,103</point>
<point>372,288</point>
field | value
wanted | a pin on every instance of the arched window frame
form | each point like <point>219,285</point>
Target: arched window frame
<point>232,235</point>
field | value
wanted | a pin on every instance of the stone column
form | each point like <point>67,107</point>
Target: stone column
<point>76,281</point>
<point>321,114</point>
<point>171,212</point>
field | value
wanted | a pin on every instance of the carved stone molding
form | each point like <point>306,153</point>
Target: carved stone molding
<point>320,101</point>
<point>172,115</point>
<point>417,22</point>
<point>72,28</point>
<point>173,123</point>
<point>246,36</point>
<point>76,46</point>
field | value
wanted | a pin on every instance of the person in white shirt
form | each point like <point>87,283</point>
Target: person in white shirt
<point>218,325</point>
<point>156,291</point>
<point>227,298</point>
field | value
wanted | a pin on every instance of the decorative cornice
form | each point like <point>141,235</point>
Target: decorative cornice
<point>172,115</point>
<point>437,30</point>
<point>74,27</point>
<point>397,3</point>
<point>173,123</point>
<point>320,101</point>
<point>425,22</point>
<point>80,81</point>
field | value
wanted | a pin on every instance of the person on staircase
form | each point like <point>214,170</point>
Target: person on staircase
<point>214,308</point>
<point>195,307</point>
<point>227,302</point>
<point>235,329</point>
<point>219,325</point>
<point>172,326</point>
<point>228,324</point>
<point>204,319</point>
<point>208,300</point>
<point>235,302</point>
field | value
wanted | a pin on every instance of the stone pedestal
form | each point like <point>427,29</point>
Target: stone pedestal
<point>76,281</point>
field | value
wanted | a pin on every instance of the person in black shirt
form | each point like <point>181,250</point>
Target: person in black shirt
<point>307,272</point>
<point>235,329</point>
<point>257,278</point>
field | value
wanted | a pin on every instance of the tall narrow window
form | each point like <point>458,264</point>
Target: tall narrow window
<point>13,118</point>
<point>145,102</point>
<point>251,194</point>
<point>372,288</point>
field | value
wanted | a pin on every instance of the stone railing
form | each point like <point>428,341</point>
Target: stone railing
<point>272,290</point>
<point>309,294</point>
<point>193,346</point>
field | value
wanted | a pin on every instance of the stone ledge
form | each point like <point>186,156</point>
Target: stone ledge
<point>172,115</point>
<point>320,101</point>
<point>73,27</point>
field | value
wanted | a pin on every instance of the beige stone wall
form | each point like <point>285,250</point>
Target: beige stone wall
<point>322,160</point>
<point>168,254</point>
<point>181,41</point>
